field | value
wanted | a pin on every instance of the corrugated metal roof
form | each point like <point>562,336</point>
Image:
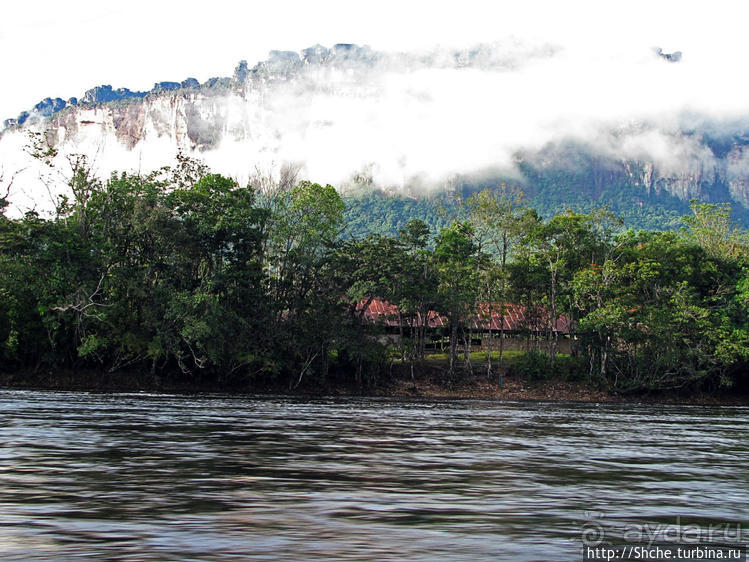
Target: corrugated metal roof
<point>486,317</point>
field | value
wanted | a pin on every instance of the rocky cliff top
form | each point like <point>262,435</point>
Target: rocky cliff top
<point>278,64</point>
<point>282,65</point>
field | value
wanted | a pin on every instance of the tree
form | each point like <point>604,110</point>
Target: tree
<point>420,284</point>
<point>455,255</point>
<point>566,244</point>
<point>304,233</point>
<point>709,226</point>
<point>663,315</point>
<point>497,219</point>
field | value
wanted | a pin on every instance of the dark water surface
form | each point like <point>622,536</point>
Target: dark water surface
<point>161,477</point>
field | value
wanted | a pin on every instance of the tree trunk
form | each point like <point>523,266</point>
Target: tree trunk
<point>400,334</point>
<point>422,331</point>
<point>553,332</point>
<point>325,364</point>
<point>467,350</point>
<point>503,297</point>
<point>453,348</point>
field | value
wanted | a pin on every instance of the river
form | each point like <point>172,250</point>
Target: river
<point>165,477</point>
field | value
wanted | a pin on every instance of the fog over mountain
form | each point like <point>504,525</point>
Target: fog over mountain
<point>654,120</point>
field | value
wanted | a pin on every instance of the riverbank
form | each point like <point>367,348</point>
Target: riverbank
<point>551,391</point>
<point>428,383</point>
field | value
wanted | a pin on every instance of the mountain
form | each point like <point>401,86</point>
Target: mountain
<point>410,125</point>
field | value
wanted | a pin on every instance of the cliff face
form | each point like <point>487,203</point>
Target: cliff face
<point>188,121</point>
<point>703,173</point>
<point>350,115</point>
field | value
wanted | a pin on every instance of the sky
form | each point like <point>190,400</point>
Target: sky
<point>61,49</point>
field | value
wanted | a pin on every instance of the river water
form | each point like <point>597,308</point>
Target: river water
<point>163,477</point>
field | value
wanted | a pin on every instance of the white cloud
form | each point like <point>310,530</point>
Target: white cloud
<point>575,70</point>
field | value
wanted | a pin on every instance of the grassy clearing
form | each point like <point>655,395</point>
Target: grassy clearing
<point>530,365</point>
<point>479,357</point>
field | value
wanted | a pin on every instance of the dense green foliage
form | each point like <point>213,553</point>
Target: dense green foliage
<point>378,213</point>
<point>183,273</point>
<point>582,184</point>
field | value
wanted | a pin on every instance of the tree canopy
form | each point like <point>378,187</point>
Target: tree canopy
<point>185,273</point>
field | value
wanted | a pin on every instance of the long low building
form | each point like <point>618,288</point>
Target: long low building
<point>488,318</point>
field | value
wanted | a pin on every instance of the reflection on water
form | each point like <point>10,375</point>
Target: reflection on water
<point>154,477</point>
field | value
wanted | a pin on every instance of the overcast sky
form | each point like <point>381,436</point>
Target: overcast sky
<point>60,49</point>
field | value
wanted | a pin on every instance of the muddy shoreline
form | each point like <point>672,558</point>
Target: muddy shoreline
<point>425,386</point>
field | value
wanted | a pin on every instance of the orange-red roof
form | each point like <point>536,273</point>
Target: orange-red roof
<point>487,317</point>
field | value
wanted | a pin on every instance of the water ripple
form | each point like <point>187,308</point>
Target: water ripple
<point>155,477</point>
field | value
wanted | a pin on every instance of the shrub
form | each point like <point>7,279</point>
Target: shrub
<point>536,365</point>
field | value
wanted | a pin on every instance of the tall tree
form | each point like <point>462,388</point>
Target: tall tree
<point>455,255</point>
<point>497,219</point>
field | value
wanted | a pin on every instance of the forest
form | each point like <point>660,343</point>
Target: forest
<point>182,274</point>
